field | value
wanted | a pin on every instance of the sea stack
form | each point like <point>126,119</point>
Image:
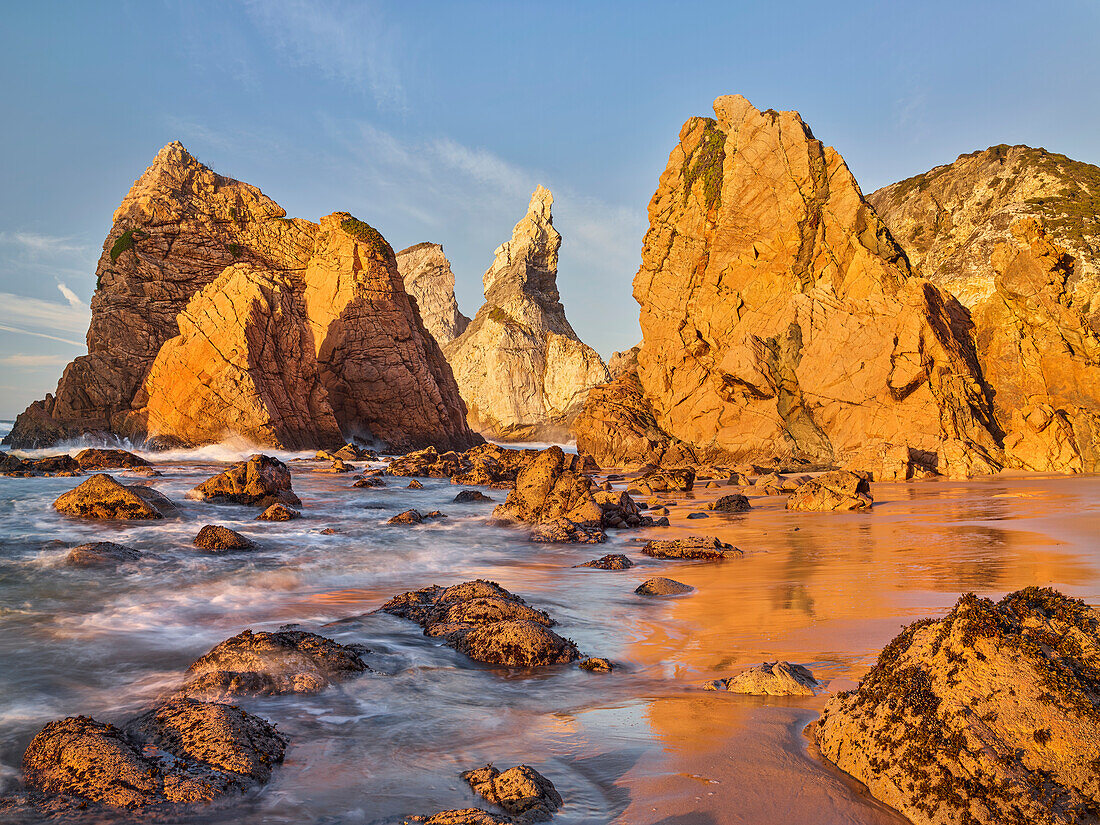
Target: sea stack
<point>217,316</point>
<point>428,278</point>
<point>781,319</point>
<point>520,367</point>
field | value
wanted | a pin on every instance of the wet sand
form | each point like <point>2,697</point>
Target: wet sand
<point>641,745</point>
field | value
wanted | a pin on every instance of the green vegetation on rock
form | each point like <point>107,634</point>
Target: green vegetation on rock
<point>124,242</point>
<point>367,234</point>
<point>705,164</point>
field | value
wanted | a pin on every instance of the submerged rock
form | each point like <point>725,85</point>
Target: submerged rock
<point>101,554</point>
<point>415,485</point>
<point>660,586</point>
<point>612,561</point>
<point>770,679</point>
<point>521,791</point>
<point>467,496</point>
<point>407,517</point>
<point>693,547</point>
<point>988,715</point>
<point>839,490</point>
<point>260,481</point>
<point>278,512</point>
<point>268,664</point>
<point>101,497</point>
<point>183,751</point>
<point>216,538</point>
<point>486,622</point>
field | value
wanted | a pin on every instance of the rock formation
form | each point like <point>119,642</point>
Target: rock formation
<point>521,791</point>
<point>258,482</point>
<point>780,319</point>
<point>1013,231</point>
<point>520,367</point>
<point>428,278</point>
<point>770,679</point>
<point>215,316</point>
<point>986,716</point>
<point>838,490</point>
<point>101,497</point>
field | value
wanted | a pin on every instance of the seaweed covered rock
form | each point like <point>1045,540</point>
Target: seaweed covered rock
<point>521,791</point>
<point>101,497</point>
<point>268,664</point>
<point>260,481</point>
<point>706,548</point>
<point>216,539</point>
<point>990,715</point>
<point>839,490</point>
<point>612,561</point>
<point>504,629</point>
<point>770,679</point>
<point>101,554</point>
<point>183,751</point>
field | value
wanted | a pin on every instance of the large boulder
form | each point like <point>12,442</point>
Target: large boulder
<point>486,622</point>
<point>547,489</point>
<point>95,458</point>
<point>988,715</point>
<point>779,318</point>
<point>260,482</point>
<point>838,490</point>
<point>520,367</point>
<point>214,315</point>
<point>181,752</point>
<point>429,280</point>
<point>216,539</point>
<point>101,497</point>
<point>267,664</point>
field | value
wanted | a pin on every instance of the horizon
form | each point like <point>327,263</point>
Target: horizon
<point>396,116</point>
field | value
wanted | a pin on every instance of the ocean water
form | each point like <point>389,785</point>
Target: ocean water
<point>641,745</point>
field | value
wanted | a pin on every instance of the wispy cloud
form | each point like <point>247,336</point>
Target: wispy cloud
<point>44,319</point>
<point>70,296</point>
<point>25,361</point>
<point>351,42</point>
<point>32,243</point>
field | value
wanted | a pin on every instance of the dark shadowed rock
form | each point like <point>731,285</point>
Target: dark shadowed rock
<point>183,751</point>
<point>692,547</point>
<point>101,497</point>
<point>612,561</point>
<point>839,490</point>
<point>467,496</point>
<point>988,715</point>
<point>101,459</point>
<point>369,481</point>
<point>521,791</point>
<point>770,679</point>
<point>265,664</point>
<point>660,586</point>
<point>216,538</point>
<point>101,554</point>
<point>260,481</point>
<point>278,512</point>
<point>734,503</point>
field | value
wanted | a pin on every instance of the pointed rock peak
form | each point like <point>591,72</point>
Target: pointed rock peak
<point>174,154</point>
<point>529,261</point>
<point>730,110</point>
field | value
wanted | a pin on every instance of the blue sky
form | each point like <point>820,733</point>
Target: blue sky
<point>435,120</point>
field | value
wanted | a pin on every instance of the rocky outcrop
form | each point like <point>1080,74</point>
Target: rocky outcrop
<point>101,497</point>
<point>259,482</point>
<point>779,317</point>
<point>216,316</point>
<point>487,623</point>
<point>271,664</point>
<point>770,679</point>
<point>839,490</point>
<point>1012,231</point>
<point>520,367</point>
<point>181,752</point>
<point>988,715</point>
<point>429,280</point>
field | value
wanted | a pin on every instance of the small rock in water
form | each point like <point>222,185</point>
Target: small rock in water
<point>369,481</point>
<point>521,791</point>
<point>712,485</point>
<point>216,538</point>
<point>101,497</point>
<point>101,554</point>
<point>564,531</point>
<point>278,512</point>
<point>407,517</point>
<point>612,561</point>
<point>735,503</point>
<point>693,547</point>
<point>434,514</point>
<point>415,485</point>
<point>471,495</point>
<point>697,515</point>
<point>597,665</point>
<point>260,481</point>
<point>839,490</point>
<point>660,586</point>
<point>330,531</point>
<point>465,816</point>
<point>770,679</point>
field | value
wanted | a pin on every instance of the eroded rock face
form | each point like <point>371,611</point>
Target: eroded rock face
<point>216,316</point>
<point>101,497</point>
<point>839,490</point>
<point>260,482</point>
<point>181,752</point>
<point>269,664</point>
<point>428,279</point>
<point>521,791</point>
<point>770,679</point>
<point>487,623</point>
<point>779,317</point>
<point>988,715</point>
<point>520,367</point>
